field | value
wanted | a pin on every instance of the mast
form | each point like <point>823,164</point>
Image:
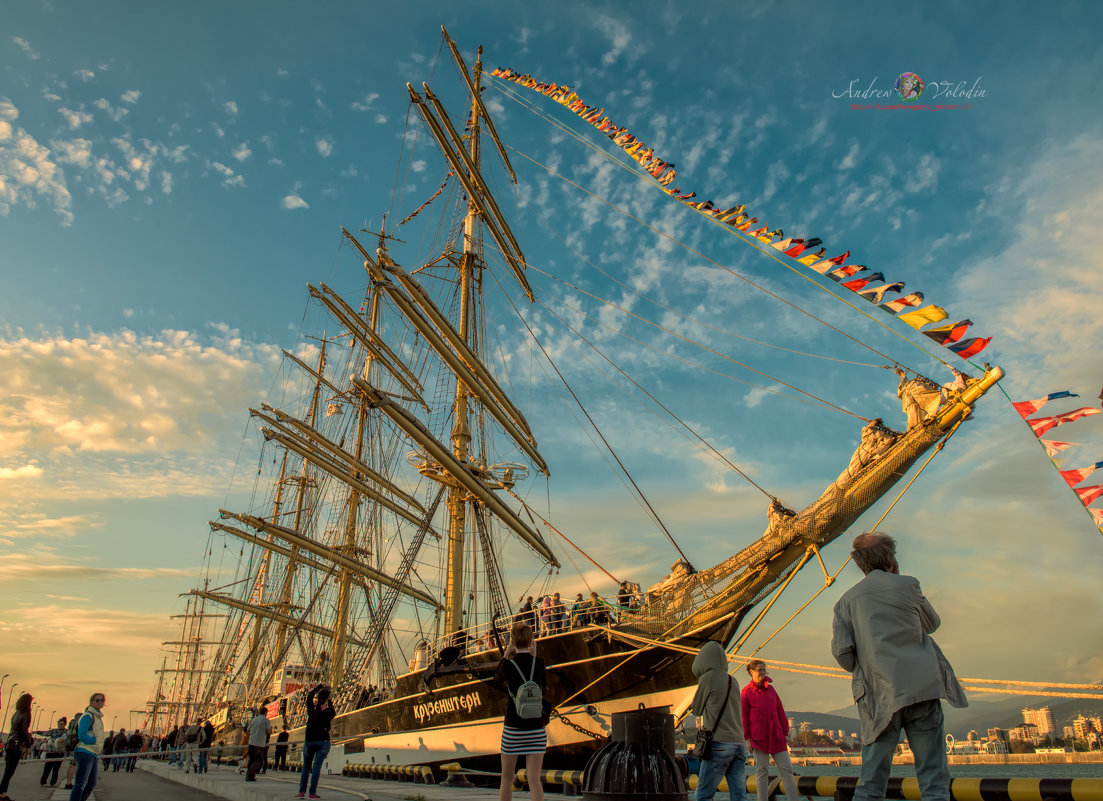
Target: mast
<point>254,649</point>
<point>350,549</point>
<point>461,431</point>
<point>300,503</point>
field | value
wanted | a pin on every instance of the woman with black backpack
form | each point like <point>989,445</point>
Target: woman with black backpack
<point>524,675</point>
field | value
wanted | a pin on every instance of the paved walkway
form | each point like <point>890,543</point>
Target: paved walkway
<point>225,782</point>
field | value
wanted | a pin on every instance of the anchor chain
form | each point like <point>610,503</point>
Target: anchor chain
<point>592,734</point>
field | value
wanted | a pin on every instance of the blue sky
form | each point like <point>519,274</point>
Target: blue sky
<point>172,178</point>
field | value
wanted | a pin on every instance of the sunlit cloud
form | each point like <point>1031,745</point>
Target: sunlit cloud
<point>114,112</point>
<point>324,146</point>
<point>366,103</point>
<point>25,46</point>
<point>293,201</point>
<point>85,75</point>
<point>75,118</point>
<point>230,108</point>
<point>242,152</point>
<point>131,97</point>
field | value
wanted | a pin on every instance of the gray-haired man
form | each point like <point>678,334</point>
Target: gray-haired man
<point>881,634</point>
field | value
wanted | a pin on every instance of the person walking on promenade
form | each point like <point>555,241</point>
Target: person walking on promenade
<point>55,752</point>
<point>191,747</point>
<point>319,714</point>
<point>120,748</point>
<point>19,738</point>
<point>881,634</point>
<point>525,731</point>
<point>134,747</point>
<point>108,749</point>
<point>260,728</point>
<point>766,729</point>
<point>716,702</point>
<point>90,742</point>
<point>71,743</point>
<point>281,750</point>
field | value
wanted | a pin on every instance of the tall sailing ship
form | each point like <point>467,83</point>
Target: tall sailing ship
<point>391,533</point>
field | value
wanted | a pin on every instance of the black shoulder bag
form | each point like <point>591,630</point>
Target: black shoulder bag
<point>702,749</point>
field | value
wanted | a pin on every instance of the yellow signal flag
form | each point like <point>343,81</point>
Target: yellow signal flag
<point>920,317</point>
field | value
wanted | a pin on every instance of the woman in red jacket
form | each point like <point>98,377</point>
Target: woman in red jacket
<point>765,728</point>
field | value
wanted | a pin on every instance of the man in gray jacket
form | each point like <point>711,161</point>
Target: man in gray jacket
<point>717,702</point>
<point>881,634</point>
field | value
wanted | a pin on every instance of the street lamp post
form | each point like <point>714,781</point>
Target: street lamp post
<point>113,719</point>
<point>2,684</point>
<point>10,691</point>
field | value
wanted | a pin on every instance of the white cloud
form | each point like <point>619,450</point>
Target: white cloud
<point>26,471</point>
<point>924,174</point>
<point>230,108</point>
<point>73,406</point>
<point>293,201</point>
<point>381,119</point>
<point>851,158</point>
<point>418,165</point>
<point>85,75</point>
<point>25,46</point>
<point>366,103</point>
<point>114,112</point>
<point>324,146</point>
<point>39,525</point>
<point>131,97</point>
<point>28,175</point>
<point>242,152</point>
<point>75,118</point>
<point>228,175</point>
<point>166,183</point>
<point>619,37</point>
<point>73,151</point>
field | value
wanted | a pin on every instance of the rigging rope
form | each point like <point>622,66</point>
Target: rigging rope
<point>578,402</point>
<point>501,87</point>
<point>672,310</point>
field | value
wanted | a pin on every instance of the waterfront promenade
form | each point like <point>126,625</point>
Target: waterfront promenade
<point>225,782</point>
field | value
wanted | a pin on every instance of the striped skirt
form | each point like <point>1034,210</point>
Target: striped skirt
<point>519,741</point>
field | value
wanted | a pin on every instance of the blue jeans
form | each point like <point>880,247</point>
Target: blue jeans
<point>728,760</point>
<point>84,780</point>
<point>314,754</point>
<point>203,754</point>
<point>923,724</point>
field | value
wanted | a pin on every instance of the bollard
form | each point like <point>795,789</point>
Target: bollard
<point>638,762</point>
<point>456,777</point>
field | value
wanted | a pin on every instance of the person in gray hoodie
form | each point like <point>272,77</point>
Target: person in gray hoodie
<point>729,751</point>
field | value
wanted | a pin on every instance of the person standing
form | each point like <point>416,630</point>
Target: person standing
<point>766,730</point>
<point>881,634</point>
<point>717,703</point>
<point>319,715</point>
<point>260,728</point>
<point>206,736</point>
<point>90,743</point>
<point>19,738</point>
<point>522,735</point>
<point>55,752</point>
<point>281,750</point>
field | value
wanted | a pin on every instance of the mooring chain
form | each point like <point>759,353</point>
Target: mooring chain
<point>592,734</point>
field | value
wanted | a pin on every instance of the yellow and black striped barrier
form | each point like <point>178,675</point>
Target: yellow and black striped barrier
<point>366,770</point>
<point>570,779</point>
<point>907,789</point>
